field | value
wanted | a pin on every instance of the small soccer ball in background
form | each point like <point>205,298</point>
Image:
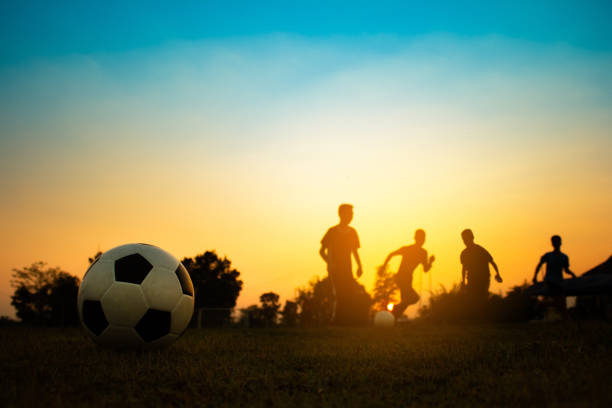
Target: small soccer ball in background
<point>136,295</point>
<point>384,318</point>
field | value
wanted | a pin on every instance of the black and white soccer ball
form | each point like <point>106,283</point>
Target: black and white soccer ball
<point>136,295</point>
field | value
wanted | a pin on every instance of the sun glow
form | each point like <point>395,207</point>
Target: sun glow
<point>390,307</point>
<point>306,149</point>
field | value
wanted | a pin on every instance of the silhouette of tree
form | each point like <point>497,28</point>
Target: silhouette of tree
<point>316,303</point>
<point>63,300</point>
<point>95,257</point>
<point>265,315</point>
<point>269,308</point>
<point>252,316</point>
<point>7,321</point>
<point>385,289</point>
<point>289,314</point>
<point>45,296</point>
<point>457,305</point>
<point>216,285</point>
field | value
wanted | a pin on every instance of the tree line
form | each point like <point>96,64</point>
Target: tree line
<point>47,296</point>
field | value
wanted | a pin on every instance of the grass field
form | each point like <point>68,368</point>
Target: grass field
<point>527,365</point>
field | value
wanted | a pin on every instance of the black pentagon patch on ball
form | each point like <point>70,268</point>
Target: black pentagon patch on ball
<point>93,316</point>
<point>183,277</point>
<point>132,269</point>
<point>154,325</point>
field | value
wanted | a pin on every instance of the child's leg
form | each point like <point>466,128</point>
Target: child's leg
<point>409,297</point>
<point>561,306</point>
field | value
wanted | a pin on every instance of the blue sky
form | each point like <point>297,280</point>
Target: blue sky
<point>31,29</point>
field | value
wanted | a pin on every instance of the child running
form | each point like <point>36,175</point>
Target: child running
<point>412,256</point>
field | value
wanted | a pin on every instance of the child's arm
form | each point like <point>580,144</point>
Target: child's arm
<point>359,269</point>
<point>391,255</point>
<point>537,269</point>
<point>323,253</point>
<point>497,275</point>
<point>428,262</point>
<point>567,269</point>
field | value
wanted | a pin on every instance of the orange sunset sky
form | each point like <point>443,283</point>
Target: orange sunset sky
<point>247,146</point>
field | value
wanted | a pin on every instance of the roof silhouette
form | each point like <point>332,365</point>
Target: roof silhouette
<point>601,269</point>
<point>596,281</point>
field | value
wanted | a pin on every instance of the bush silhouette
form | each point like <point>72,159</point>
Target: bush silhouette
<point>45,296</point>
<point>317,299</point>
<point>455,305</point>
<point>216,285</point>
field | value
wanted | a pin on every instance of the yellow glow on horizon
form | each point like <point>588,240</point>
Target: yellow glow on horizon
<point>258,178</point>
<point>268,213</point>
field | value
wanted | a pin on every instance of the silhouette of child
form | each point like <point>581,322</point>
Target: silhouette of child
<point>475,262</point>
<point>556,262</point>
<point>412,256</point>
<point>339,243</point>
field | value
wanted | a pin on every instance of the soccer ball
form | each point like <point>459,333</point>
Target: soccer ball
<point>136,295</point>
<point>384,319</point>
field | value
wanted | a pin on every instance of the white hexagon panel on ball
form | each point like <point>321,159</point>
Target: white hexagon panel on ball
<point>162,289</point>
<point>124,304</point>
